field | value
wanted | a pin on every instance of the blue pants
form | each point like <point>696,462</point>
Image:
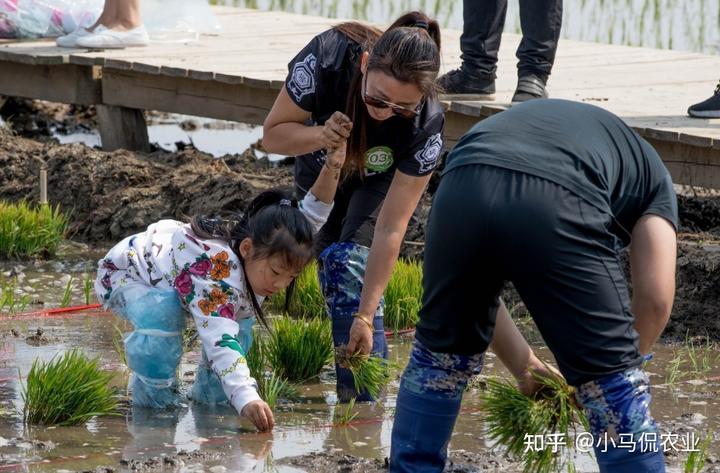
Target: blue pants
<point>341,270</point>
<point>431,391</point>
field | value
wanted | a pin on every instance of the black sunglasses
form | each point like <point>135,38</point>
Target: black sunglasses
<point>398,110</point>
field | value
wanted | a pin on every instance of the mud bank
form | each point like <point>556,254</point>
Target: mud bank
<point>111,195</point>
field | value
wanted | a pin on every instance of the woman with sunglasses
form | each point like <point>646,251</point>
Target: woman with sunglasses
<point>375,91</point>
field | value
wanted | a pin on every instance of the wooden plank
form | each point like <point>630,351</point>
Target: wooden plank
<point>213,99</point>
<point>65,83</point>
<point>122,128</point>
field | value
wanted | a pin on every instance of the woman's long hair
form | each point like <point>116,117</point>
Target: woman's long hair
<point>409,51</point>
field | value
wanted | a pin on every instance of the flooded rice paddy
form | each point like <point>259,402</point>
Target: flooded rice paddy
<point>201,438</point>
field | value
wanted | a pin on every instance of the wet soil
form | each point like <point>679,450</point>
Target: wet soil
<point>111,195</point>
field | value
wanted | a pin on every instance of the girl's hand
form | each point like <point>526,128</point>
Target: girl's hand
<point>260,414</point>
<point>361,337</point>
<point>528,384</point>
<point>335,131</point>
<point>336,157</point>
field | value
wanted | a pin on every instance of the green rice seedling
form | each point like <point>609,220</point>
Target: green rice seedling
<point>346,415</point>
<point>307,299</point>
<point>512,418</point>
<point>674,371</point>
<point>118,342</point>
<point>271,387</point>
<point>68,390</point>
<point>298,349</point>
<point>697,456</point>
<point>403,296</point>
<point>700,355</point>
<point>9,301</point>
<point>88,286</point>
<point>68,293</point>
<point>370,373</point>
<point>28,231</point>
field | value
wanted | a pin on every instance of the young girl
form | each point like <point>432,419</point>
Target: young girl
<point>377,90</point>
<point>220,271</point>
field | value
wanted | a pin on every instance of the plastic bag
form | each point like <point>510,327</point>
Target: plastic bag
<point>153,350</point>
<point>178,20</point>
<point>41,18</point>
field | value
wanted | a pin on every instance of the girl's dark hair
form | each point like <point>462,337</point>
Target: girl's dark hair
<point>275,225</point>
<point>409,51</point>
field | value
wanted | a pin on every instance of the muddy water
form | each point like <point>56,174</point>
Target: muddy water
<point>198,438</point>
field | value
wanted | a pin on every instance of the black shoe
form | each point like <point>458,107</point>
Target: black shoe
<point>710,108</point>
<point>530,87</point>
<point>459,84</point>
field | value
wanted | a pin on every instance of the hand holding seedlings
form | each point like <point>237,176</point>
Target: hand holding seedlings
<point>259,413</point>
<point>336,156</point>
<point>361,334</point>
<point>335,131</point>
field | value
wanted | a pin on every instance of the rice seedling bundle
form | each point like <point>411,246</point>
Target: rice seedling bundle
<point>307,299</point>
<point>346,415</point>
<point>513,419</point>
<point>370,373</point>
<point>297,350</point>
<point>271,386</point>
<point>67,390</point>
<point>403,296</point>
<point>27,231</point>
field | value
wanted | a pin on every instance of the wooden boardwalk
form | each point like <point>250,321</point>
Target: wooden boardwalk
<point>236,75</point>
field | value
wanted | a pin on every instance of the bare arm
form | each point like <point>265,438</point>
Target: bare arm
<point>399,205</point>
<point>285,130</point>
<point>652,268</point>
<point>327,181</point>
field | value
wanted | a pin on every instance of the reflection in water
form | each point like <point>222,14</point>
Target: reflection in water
<point>664,24</point>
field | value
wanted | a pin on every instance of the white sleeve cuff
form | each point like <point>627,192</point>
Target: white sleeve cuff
<point>242,396</point>
<point>316,211</point>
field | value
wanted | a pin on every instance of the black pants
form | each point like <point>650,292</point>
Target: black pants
<point>489,225</point>
<point>483,22</point>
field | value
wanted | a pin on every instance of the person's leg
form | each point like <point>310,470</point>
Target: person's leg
<point>541,21</point>
<point>483,22</point>
<point>127,14</point>
<point>341,270</point>
<point>153,350</point>
<point>569,276</point>
<point>460,301</point>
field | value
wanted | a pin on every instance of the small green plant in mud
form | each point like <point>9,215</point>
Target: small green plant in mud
<point>118,342</point>
<point>343,416</point>
<point>674,372</point>
<point>297,350</point>
<point>88,286</point>
<point>68,293</point>
<point>513,418</point>
<point>403,296</point>
<point>29,231</point>
<point>10,302</point>
<point>370,373</point>
<point>271,386</point>
<point>68,390</point>
<point>307,299</point>
<point>695,358</point>
<point>698,456</point>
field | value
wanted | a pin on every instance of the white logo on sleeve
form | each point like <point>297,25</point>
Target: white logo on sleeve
<point>302,81</point>
<point>428,156</point>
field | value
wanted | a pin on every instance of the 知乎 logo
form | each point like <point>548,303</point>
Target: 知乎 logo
<point>378,159</point>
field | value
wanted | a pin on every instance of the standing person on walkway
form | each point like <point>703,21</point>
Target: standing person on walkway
<point>377,90</point>
<point>545,195</point>
<point>708,108</point>
<point>118,27</point>
<point>483,22</point>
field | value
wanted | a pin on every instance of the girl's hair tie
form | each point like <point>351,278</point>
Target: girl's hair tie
<point>421,24</point>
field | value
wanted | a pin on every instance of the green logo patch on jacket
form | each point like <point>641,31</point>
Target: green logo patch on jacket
<point>378,159</point>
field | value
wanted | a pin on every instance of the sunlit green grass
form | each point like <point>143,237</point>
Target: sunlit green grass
<point>403,295</point>
<point>29,231</point>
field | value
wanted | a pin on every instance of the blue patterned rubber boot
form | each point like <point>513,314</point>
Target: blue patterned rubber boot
<point>341,270</point>
<point>625,436</point>
<point>428,403</point>
<point>153,350</point>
